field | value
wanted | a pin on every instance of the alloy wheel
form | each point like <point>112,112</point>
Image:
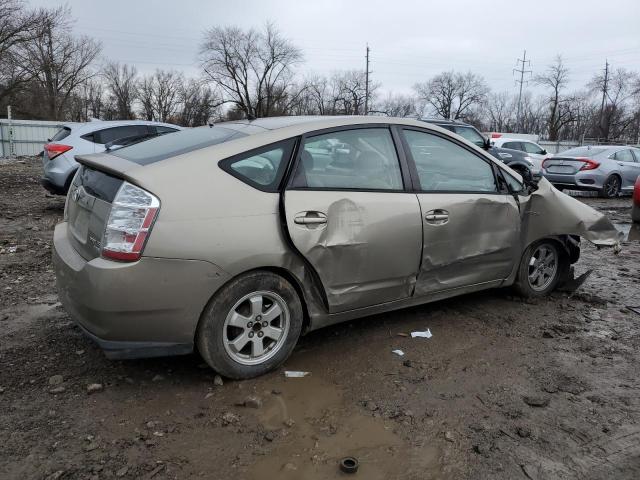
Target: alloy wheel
<point>543,267</point>
<point>256,327</point>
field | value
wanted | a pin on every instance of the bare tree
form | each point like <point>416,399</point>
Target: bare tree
<point>122,88</point>
<point>556,78</point>
<point>453,95</point>
<point>57,62</point>
<point>619,91</point>
<point>501,108</point>
<point>18,25</point>
<point>198,104</point>
<point>396,105</point>
<point>252,68</point>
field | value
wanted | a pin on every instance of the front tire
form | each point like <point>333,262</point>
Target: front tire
<point>250,326</point>
<point>542,267</point>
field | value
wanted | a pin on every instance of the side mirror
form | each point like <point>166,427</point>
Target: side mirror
<point>487,143</point>
<point>544,151</point>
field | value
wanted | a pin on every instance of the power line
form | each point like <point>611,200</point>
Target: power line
<point>521,71</point>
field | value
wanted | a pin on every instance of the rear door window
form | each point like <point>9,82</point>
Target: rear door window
<point>358,159</point>
<point>262,168</point>
<point>513,145</point>
<point>161,129</point>
<point>444,166</point>
<point>624,156</point>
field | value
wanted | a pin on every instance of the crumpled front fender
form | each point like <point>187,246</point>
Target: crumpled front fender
<point>549,212</point>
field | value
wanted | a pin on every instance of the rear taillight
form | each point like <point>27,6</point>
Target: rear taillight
<point>55,149</point>
<point>588,164</point>
<point>133,212</point>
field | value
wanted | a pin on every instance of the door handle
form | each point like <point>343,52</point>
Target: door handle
<point>437,217</point>
<point>621,164</point>
<point>310,218</point>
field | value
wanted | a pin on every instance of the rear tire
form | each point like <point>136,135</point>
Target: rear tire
<point>635,213</point>
<point>611,187</point>
<point>250,326</point>
<point>543,265</point>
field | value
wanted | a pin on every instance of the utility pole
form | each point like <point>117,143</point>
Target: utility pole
<point>605,85</point>
<point>521,63</point>
<point>366,85</point>
<point>12,151</point>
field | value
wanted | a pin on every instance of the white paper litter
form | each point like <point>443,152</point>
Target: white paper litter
<point>295,374</point>
<point>425,334</point>
<point>398,352</point>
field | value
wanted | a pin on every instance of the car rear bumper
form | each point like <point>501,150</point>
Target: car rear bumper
<point>52,188</point>
<point>576,181</point>
<point>58,173</point>
<point>146,308</point>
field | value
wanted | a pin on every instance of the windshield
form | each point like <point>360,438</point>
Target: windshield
<point>177,143</point>
<point>470,133</point>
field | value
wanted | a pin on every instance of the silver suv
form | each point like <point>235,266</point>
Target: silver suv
<point>92,137</point>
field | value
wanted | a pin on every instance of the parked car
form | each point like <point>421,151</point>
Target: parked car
<point>534,152</point>
<point>235,239</point>
<point>91,137</point>
<point>635,209</point>
<point>516,159</point>
<point>609,170</point>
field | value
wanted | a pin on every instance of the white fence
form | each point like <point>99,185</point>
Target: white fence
<point>557,147</point>
<point>28,136</point>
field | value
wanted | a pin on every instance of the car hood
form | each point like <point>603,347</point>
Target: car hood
<point>549,212</point>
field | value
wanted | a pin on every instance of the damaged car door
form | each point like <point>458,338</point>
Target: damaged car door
<point>348,214</point>
<point>471,226</point>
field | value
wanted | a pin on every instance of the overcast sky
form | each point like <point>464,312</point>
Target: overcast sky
<point>409,40</point>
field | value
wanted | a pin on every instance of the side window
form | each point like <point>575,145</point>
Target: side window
<point>363,158</point>
<point>532,148</point>
<point>262,168</point>
<point>636,153</point>
<point>115,133</point>
<point>624,156</point>
<point>161,129</point>
<point>512,145</point>
<point>444,166</point>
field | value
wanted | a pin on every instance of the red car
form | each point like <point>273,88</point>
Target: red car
<point>635,209</point>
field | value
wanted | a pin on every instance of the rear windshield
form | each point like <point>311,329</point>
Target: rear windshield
<point>60,134</point>
<point>177,143</point>
<point>581,151</point>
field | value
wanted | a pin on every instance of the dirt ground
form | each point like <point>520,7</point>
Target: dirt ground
<point>504,389</point>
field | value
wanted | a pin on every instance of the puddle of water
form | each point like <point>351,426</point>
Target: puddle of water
<point>325,429</point>
<point>631,231</point>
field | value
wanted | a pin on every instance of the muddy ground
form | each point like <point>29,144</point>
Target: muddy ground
<point>504,389</point>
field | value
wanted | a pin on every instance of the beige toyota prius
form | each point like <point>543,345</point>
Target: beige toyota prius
<point>237,238</point>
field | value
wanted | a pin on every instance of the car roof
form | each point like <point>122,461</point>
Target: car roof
<point>511,139</point>
<point>443,121</point>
